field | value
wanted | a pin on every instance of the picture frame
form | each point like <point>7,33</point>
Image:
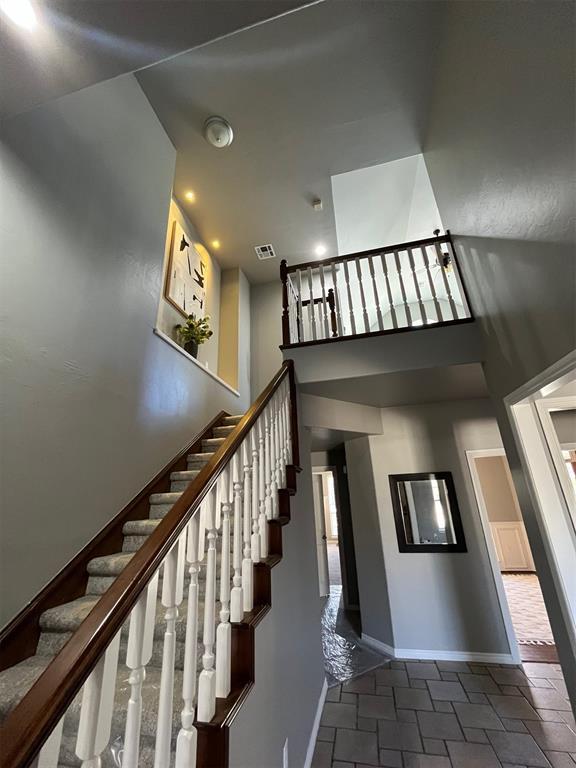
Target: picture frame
<point>185,286</point>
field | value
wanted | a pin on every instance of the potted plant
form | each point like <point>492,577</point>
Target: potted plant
<point>195,331</point>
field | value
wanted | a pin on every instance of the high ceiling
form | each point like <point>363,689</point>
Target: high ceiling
<point>77,43</point>
<point>333,87</point>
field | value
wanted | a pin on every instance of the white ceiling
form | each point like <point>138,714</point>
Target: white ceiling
<point>328,89</point>
<point>384,204</point>
<point>433,385</point>
<point>77,43</point>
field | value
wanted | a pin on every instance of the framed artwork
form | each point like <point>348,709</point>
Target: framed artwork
<point>426,513</point>
<point>186,277</point>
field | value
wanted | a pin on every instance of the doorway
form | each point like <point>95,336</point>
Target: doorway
<point>523,608</point>
<point>327,533</point>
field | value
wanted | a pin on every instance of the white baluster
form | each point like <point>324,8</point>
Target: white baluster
<point>417,286</point>
<point>282,462</point>
<point>236,597</point>
<point>97,708</point>
<point>50,752</point>
<point>287,414</point>
<point>349,293</point>
<point>247,568</point>
<point>262,504</point>
<point>449,296</point>
<point>402,289</point>
<point>302,335</point>
<point>224,631</point>
<point>324,304</point>
<point>376,297</point>
<point>255,541</point>
<point>362,296</point>
<point>389,290</point>
<point>273,466</point>
<point>267,465</point>
<point>278,440</point>
<point>207,679</point>
<point>431,284</point>
<point>138,655</point>
<point>311,307</point>
<point>187,736</point>
<point>337,300</point>
<point>172,594</point>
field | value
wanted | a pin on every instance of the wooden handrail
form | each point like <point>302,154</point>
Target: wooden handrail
<point>25,730</point>
<point>361,254</point>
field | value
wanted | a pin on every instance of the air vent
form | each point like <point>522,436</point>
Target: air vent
<point>265,252</point>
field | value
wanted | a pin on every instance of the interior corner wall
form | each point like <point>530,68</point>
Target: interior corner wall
<point>289,660</point>
<point>169,316</point>
<point>266,330</point>
<point>93,403</point>
<point>235,322</point>
<point>439,602</point>
<point>500,152</point>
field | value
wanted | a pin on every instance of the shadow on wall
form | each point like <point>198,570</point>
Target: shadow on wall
<point>522,294</point>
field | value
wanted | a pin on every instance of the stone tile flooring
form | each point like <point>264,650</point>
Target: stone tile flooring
<point>334,573</point>
<point>448,715</point>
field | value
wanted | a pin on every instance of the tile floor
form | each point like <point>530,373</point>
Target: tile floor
<point>334,574</point>
<point>448,715</point>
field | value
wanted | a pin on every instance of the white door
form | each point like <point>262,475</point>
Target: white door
<point>512,546</point>
<point>321,541</point>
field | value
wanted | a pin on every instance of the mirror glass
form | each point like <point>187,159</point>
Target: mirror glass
<point>426,512</point>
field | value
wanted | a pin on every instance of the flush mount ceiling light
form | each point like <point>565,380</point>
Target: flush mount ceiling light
<point>320,249</point>
<point>218,132</point>
<point>21,12</point>
<point>190,196</point>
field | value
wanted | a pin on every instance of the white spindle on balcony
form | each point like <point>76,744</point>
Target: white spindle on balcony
<point>433,292</point>
<point>417,286</point>
<point>349,295</point>
<point>338,310</point>
<point>376,296</point>
<point>326,323</point>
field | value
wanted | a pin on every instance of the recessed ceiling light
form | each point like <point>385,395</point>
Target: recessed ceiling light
<point>20,12</point>
<point>190,196</point>
<point>216,244</point>
<point>320,249</point>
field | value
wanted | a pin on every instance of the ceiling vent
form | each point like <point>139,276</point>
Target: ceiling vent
<point>265,252</point>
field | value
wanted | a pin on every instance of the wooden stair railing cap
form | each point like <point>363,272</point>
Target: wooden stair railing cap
<point>27,727</point>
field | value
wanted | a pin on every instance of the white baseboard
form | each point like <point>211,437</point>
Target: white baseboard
<point>432,655</point>
<point>315,726</point>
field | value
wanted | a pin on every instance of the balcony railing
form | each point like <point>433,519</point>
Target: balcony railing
<point>384,290</point>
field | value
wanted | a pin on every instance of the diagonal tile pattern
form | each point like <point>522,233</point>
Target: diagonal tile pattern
<point>409,715</point>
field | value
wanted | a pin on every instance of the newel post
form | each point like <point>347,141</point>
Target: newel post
<point>285,316</point>
<point>293,414</point>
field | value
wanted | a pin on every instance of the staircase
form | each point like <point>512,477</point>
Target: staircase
<point>162,690</point>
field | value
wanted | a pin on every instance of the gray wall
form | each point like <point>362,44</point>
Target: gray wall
<point>289,662</point>
<point>93,403</point>
<point>500,154</point>
<point>565,426</point>
<point>266,333</point>
<point>438,601</point>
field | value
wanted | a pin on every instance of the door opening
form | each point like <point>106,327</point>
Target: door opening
<point>326,512</point>
<point>523,608</point>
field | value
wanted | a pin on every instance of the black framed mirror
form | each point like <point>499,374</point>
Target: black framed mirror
<point>426,513</point>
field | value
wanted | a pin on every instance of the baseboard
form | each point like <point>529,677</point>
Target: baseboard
<point>432,655</point>
<point>315,726</point>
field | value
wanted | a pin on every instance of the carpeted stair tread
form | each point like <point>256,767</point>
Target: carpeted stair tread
<point>189,474</point>
<point>69,616</point>
<point>212,443</point>
<point>140,527</point>
<point>232,420</point>
<point>109,565</point>
<point>223,431</point>
<point>164,498</point>
<point>16,681</point>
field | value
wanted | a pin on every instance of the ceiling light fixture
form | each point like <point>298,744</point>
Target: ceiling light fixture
<point>190,196</point>
<point>218,132</point>
<point>21,12</point>
<point>320,249</point>
<point>216,244</point>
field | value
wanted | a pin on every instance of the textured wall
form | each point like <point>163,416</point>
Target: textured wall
<point>93,403</point>
<point>500,153</point>
<point>437,601</point>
